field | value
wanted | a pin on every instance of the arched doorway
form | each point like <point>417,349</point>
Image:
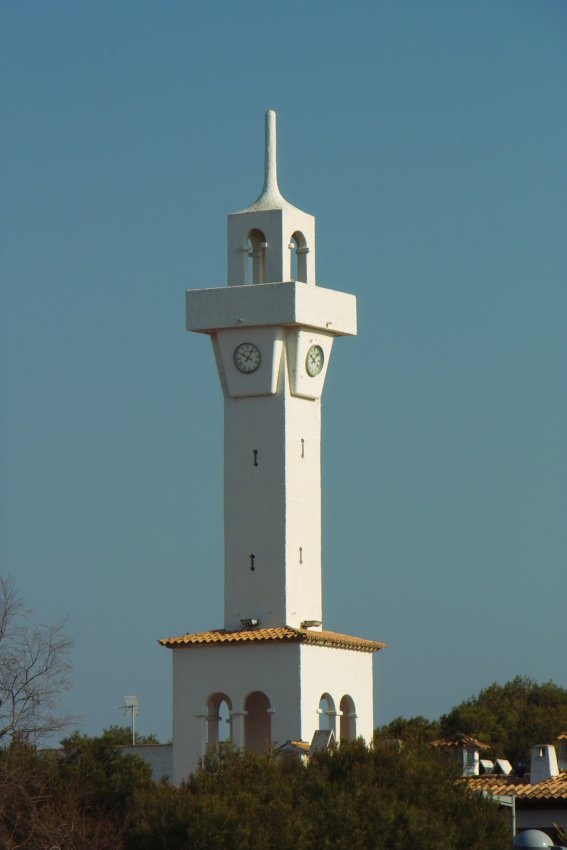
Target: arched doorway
<point>327,713</point>
<point>219,707</point>
<point>298,257</point>
<point>257,722</point>
<point>347,731</point>
<point>256,266</point>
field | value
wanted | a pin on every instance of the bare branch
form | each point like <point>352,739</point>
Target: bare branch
<point>34,671</point>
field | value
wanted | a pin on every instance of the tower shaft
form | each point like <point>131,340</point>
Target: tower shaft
<point>272,505</point>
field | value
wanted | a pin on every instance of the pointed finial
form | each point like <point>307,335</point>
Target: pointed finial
<point>270,196</point>
<point>270,156</point>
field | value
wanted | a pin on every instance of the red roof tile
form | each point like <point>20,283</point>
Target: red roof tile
<point>284,633</point>
<point>549,789</point>
<point>459,740</point>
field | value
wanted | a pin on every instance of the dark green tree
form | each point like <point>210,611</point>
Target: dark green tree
<point>511,717</point>
<point>417,730</point>
<point>122,736</point>
<point>85,796</point>
<point>353,798</point>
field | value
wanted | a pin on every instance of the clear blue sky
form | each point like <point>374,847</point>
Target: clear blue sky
<point>429,139</point>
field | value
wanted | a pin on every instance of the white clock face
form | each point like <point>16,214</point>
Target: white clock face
<point>246,357</point>
<point>314,360</point>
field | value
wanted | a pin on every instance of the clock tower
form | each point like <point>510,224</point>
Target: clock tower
<point>272,667</point>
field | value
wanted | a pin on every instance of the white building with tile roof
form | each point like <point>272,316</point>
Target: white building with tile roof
<point>272,669</point>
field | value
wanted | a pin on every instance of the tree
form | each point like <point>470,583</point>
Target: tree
<point>90,796</point>
<point>84,796</point>
<point>34,670</point>
<point>352,798</point>
<point>122,736</point>
<point>512,717</point>
<point>419,730</point>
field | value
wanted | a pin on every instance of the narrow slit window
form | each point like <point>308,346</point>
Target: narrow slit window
<point>252,559</point>
<point>255,456</point>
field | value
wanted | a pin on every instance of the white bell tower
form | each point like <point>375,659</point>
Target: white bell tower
<point>272,331</point>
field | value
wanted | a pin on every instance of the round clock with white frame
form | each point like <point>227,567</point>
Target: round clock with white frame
<point>314,361</point>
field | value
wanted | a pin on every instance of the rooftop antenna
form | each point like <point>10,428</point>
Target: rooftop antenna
<point>131,705</point>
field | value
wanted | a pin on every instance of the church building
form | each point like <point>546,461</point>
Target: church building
<point>273,669</point>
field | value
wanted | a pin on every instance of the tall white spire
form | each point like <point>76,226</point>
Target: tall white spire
<point>270,197</point>
<point>271,189</point>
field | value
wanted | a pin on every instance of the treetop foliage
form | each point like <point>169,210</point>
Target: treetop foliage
<point>512,718</point>
<point>90,795</point>
<point>122,736</point>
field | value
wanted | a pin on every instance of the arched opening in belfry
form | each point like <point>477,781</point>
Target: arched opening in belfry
<point>327,714</point>
<point>256,264</point>
<point>347,730</point>
<point>298,251</point>
<point>257,722</point>
<point>219,707</point>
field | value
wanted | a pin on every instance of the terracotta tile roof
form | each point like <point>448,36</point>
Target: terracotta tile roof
<point>549,789</point>
<point>284,633</point>
<point>303,746</point>
<point>459,740</point>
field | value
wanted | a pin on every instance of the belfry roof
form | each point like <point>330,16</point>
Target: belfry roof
<point>283,633</point>
<point>459,741</point>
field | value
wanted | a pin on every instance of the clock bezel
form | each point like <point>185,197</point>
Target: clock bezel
<point>238,348</point>
<point>320,363</point>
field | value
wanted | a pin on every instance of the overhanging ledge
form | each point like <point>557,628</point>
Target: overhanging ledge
<point>290,304</point>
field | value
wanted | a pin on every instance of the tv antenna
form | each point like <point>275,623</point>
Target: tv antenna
<point>131,705</point>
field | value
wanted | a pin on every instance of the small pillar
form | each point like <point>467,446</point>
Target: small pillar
<point>237,728</point>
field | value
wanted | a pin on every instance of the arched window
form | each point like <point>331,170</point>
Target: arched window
<point>256,258</point>
<point>219,707</point>
<point>327,713</point>
<point>257,722</point>
<point>347,730</point>
<point>298,257</point>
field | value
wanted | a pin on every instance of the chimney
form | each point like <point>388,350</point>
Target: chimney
<point>544,763</point>
<point>471,761</point>
<point>562,757</point>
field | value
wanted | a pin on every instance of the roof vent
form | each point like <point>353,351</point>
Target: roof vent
<point>544,763</point>
<point>502,767</point>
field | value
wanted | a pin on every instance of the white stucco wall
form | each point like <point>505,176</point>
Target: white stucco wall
<point>234,670</point>
<point>338,672</point>
<point>158,756</point>
<point>273,509</point>
<point>293,676</point>
<point>278,226</point>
